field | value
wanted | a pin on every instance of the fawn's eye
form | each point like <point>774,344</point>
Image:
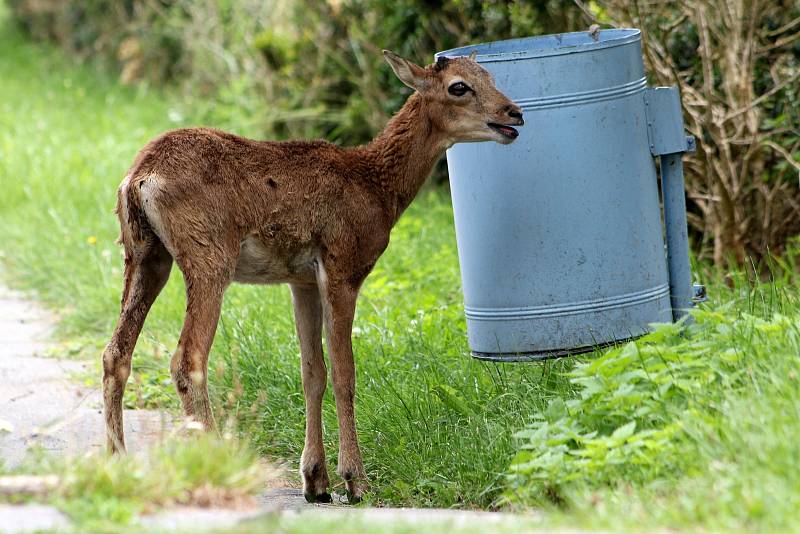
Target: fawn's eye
<point>458,89</point>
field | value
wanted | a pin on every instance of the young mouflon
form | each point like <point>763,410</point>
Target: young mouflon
<point>307,213</point>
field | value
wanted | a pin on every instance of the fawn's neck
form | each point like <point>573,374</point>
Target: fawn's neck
<point>403,155</point>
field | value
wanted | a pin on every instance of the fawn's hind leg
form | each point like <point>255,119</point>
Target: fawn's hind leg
<point>308,319</point>
<point>189,366</point>
<point>147,267</point>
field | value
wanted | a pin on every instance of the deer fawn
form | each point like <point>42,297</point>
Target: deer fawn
<point>308,213</point>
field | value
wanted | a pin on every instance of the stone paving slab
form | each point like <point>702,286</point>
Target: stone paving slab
<point>40,404</point>
<point>16,519</point>
<point>193,519</point>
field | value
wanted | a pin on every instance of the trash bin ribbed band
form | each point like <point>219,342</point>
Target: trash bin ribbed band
<point>599,95</point>
<point>618,301</point>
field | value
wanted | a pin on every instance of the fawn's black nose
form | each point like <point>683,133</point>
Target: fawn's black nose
<point>516,114</point>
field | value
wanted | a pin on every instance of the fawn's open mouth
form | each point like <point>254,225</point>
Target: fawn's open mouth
<point>506,131</point>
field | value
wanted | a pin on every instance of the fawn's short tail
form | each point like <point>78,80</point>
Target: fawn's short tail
<point>134,227</point>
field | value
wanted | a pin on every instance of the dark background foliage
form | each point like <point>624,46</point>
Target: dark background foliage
<point>313,68</point>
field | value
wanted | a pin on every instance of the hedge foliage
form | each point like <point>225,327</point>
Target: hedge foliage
<point>313,68</point>
<point>286,68</point>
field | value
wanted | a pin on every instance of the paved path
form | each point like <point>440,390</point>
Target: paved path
<point>41,404</point>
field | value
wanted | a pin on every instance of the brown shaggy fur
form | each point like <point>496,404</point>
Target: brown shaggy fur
<point>308,213</point>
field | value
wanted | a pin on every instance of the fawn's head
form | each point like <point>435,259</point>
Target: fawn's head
<point>462,97</point>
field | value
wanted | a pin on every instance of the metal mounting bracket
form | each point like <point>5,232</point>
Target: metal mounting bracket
<point>665,122</point>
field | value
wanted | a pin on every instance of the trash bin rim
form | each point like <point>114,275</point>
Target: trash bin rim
<point>545,45</point>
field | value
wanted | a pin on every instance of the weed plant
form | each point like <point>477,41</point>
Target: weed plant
<point>684,426</point>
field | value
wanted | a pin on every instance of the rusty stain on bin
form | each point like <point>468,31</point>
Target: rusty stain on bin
<point>560,235</point>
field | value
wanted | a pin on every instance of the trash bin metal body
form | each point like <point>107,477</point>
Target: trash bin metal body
<point>559,234</point>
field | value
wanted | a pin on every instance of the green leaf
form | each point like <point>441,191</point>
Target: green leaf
<point>625,431</point>
<point>556,409</point>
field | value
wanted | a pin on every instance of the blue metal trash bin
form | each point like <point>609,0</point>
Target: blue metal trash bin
<point>560,236</point>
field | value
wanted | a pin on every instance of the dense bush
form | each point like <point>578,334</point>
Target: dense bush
<point>300,68</point>
<point>737,64</point>
<point>348,75</point>
<point>313,68</point>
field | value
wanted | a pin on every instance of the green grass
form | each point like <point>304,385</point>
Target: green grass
<point>436,426</point>
<point>673,430</point>
<point>100,493</point>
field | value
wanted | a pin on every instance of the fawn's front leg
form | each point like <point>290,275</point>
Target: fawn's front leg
<point>339,303</point>
<point>308,319</point>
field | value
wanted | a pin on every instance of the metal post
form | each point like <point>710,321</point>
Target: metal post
<point>669,142</point>
<point>680,274</point>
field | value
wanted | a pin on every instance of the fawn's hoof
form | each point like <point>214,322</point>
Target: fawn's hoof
<point>353,497</point>
<point>319,498</point>
<point>355,489</point>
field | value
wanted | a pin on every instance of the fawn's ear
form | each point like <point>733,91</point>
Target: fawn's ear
<point>410,74</point>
